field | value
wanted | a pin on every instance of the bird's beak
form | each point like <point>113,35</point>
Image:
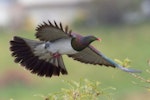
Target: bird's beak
<point>99,39</point>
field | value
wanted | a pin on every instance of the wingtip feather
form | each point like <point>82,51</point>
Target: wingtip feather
<point>128,70</point>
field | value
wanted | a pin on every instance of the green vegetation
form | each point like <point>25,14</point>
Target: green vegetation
<point>82,90</point>
<point>117,43</point>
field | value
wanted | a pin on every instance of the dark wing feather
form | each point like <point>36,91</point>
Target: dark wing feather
<point>24,53</point>
<point>52,32</point>
<point>91,56</point>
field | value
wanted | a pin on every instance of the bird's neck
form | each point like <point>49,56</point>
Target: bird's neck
<point>78,45</point>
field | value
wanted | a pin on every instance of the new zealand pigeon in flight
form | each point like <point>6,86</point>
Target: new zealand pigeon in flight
<point>44,57</point>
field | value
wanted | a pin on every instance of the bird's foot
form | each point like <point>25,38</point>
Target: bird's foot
<point>56,55</point>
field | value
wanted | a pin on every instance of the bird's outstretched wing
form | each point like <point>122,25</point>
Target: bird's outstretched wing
<point>30,55</point>
<point>92,56</point>
<point>52,31</point>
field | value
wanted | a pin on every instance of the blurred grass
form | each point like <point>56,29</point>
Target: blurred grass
<point>117,43</point>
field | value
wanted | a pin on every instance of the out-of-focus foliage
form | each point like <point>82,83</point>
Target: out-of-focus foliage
<point>124,63</point>
<point>143,81</point>
<point>82,90</point>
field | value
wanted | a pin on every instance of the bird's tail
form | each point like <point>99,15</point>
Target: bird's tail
<point>23,51</point>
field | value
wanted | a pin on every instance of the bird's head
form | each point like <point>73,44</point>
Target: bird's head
<point>83,42</point>
<point>89,39</point>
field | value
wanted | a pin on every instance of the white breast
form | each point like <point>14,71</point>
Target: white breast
<point>62,46</point>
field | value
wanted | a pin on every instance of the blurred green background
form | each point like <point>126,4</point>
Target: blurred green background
<point>123,26</point>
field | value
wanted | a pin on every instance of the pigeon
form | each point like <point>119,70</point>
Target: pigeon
<point>44,56</point>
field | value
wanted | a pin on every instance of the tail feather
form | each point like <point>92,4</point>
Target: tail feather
<point>49,71</point>
<point>23,51</point>
<point>42,69</point>
<point>62,65</point>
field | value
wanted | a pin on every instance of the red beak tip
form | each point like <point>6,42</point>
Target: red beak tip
<point>99,39</point>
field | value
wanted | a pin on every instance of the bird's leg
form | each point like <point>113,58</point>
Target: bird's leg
<point>56,55</point>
